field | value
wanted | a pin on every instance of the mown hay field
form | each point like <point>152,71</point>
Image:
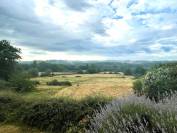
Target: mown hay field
<point>83,85</point>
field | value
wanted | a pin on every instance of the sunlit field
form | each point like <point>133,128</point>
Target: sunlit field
<point>17,129</point>
<point>83,85</point>
<point>108,85</point>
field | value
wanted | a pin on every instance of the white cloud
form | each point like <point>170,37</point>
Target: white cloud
<point>30,54</point>
<point>95,29</point>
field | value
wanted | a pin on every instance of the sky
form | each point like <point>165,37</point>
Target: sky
<point>91,29</point>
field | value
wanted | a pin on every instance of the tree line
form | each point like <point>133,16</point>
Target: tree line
<point>10,56</point>
<point>86,67</point>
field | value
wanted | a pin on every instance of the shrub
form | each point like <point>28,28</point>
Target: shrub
<point>21,82</point>
<point>78,76</point>
<point>57,83</point>
<point>9,106</point>
<point>47,73</point>
<point>2,117</point>
<point>4,84</point>
<point>61,115</point>
<point>54,115</point>
<point>160,83</point>
<point>137,87</point>
<point>135,115</point>
<point>33,72</point>
<point>36,82</point>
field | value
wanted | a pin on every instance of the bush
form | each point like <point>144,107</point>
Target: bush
<point>59,116</point>
<point>57,83</point>
<point>4,84</point>
<point>33,72</point>
<point>2,117</point>
<point>35,82</point>
<point>158,83</point>
<point>47,73</point>
<point>136,115</point>
<point>78,76</point>
<point>54,115</point>
<point>20,82</point>
<point>137,87</point>
<point>9,106</point>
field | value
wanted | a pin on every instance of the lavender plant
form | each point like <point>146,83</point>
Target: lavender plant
<point>136,115</point>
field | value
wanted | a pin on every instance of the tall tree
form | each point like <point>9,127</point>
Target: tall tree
<point>8,57</point>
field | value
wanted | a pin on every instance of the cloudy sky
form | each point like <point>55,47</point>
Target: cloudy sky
<point>91,29</point>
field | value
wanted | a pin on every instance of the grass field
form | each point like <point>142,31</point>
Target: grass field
<point>17,129</point>
<point>83,85</point>
<point>109,85</point>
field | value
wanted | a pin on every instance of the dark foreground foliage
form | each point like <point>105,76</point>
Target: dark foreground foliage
<point>55,116</point>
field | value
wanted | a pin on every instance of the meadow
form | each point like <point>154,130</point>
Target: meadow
<point>83,85</point>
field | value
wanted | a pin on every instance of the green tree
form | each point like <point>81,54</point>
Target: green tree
<point>92,69</point>
<point>34,64</point>
<point>8,57</point>
<point>128,71</point>
<point>139,71</point>
<point>33,72</point>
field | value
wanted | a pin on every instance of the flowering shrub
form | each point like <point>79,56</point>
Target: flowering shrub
<point>158,83</point>
<point>136,115</point>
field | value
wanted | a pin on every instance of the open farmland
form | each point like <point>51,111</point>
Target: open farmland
<point>83,86</point>
<point>109,85</point>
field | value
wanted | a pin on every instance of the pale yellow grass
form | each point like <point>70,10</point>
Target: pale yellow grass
<point>16,129</point>
<point>109,85</point>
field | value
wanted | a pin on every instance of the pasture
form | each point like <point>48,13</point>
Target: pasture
<point>83,85</point>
